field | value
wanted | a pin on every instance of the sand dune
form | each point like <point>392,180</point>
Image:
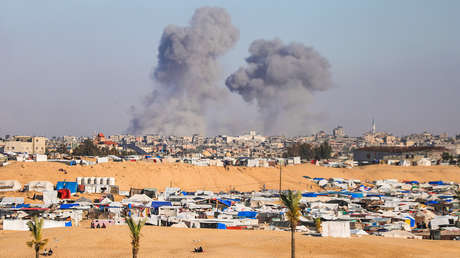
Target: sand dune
<point>176,242</point>
<point>187,177</point>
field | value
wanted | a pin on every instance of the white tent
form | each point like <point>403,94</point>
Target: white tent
<point>21,225</point>
<point>335,229</point>
<point>40,186</point>
<point>138,199</point>
<point>50,197</point>
<point>11,200</point>
<point>424,162</point>
<point>9,185</point>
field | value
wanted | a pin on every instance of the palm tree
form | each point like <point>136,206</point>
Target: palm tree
<point>291,201</point>
<point>135,230</point>
<point>37,243</point>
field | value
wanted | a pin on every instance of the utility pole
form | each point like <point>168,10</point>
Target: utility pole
<point>281,173</point>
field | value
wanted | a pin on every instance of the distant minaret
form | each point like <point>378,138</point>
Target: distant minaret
<point>373,126</point>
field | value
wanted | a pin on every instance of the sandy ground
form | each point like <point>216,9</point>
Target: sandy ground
<point>177,242</point>
<point>187,177</point>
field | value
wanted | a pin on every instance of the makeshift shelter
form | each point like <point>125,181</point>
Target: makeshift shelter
<point>138,199</point>
<point>40,186</point>
<point>64,193</point>
<point>50,197</point>
<point>72,186</point>
<point>11,200</point>
<point>9,185</point>
<point>335,229</point>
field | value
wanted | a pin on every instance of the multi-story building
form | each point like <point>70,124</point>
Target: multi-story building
<point>28,144</point>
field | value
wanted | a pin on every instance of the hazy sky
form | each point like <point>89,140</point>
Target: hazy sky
<point>77,67</point>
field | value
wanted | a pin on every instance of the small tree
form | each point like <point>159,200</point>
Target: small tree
<point>135,233</point>
<point>291,200</point>
<point>37,243</point>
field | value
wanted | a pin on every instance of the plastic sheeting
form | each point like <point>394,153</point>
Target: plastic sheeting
<point>41,186</point>
<point>21,225</point>
<point>335,229</point>
<point>9,185</point>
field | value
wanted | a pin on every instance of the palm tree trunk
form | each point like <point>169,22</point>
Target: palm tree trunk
<point>292,242</point>
<point>37,252</point>
<point>135,251</point>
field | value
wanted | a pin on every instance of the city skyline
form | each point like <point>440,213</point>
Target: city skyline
<point>73,69</point>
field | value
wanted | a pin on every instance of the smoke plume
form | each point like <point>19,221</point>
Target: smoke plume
<point>281,79</point>
<point>187,74</point>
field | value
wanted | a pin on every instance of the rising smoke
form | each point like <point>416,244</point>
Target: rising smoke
<point>281,79</point>
<point>187,74</point>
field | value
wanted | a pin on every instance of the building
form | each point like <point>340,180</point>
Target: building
<point>338,131</point>
<point>378,153</point>
<point>28,144</point>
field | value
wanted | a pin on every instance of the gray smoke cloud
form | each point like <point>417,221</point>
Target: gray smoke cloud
<point>187,74</point>
<point>281,80</point>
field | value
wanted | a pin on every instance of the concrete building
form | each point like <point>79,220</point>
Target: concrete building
<point>378,153</point>
<point>338,131</point>
<point>29,144</point>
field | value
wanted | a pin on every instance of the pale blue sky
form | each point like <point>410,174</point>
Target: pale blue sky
<point>76,67</point>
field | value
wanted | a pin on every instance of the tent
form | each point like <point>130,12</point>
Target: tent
<point>64,193</point>
<point>335,229</point>
<point>9,185</point>
<point>11,200</point>
<point>157,204</point>
<point>139,199</point>
<point>40,186</point>
<point>72,186</point>
<point>50,197</point>
<point>248,214</point>
<point>21,225</point>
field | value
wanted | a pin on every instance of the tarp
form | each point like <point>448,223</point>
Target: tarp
<point>9,185</point>
<point>157,204</point>
<point>248,214</point>
<point>68,205</point>
<point>72,186</point>
<point>335,229</point>
<point>436,183</point>
<point>225,202</point>
<point>40,186</point>
<point>309,194</point>
<point>221,226</point>
<point>21,225</point>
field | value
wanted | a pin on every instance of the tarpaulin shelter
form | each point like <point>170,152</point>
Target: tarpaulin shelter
<point>64,193</point>
<point>9,185</point>
<point>157,204</point>
<point>72,186</point>
<point>248,214</point>
<point>40,186</point>
<point>335,229</point>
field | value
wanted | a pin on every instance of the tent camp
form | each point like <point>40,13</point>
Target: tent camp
<point>335,229</point>
<point>40,186</point>
<point>9,185</point>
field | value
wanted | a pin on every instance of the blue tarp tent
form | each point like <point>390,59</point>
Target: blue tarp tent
<point>221,226</point>
<point>309,194</point>
<point>68,224</point>
<point>225,202</point>
<point>72,186</point>
<point>157,204</point>
<point>20,206</point>
<point>436,183</point>
<point>248,214</point>
<point>188,193</point>
<point>68,205</point>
